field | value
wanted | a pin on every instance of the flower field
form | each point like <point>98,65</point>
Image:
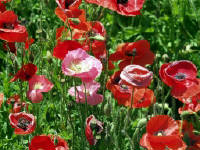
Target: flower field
<point>99,75</point>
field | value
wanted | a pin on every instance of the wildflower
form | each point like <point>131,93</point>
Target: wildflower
<point>37,85</point>
<point>162,133</point>
<point>122,7</point>
<point>136,76</point>
<point>87,91</point>
<point>22,122</point>
<point>48,142</point>
<point>93,128</point>
<point>133,53</point>
<point>10,30</point>
<point>78,63</point>
<point>25,73</point>
<point>181,76</point>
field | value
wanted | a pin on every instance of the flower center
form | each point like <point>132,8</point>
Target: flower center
<point>68,3</point>
<point>160,133</point>
<point>180,76</point>
<point>124,87</point>
<point>38,85</point>
<point>122,1</point>
<point>131,53</point>
<point>23,123</point>
<point>95,127</point>
<point>8,26</point>
<point>79,66</point>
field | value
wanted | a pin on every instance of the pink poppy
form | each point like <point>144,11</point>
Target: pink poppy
<point>37,85</point>
<point>91,92</point>
<point>136,76</point>
<point>78,63</point>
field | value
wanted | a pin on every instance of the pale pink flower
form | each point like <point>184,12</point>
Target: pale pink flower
<point>79,64</point>
<point>89,90</point>
<point>136,76</point>
<point>37,85</point>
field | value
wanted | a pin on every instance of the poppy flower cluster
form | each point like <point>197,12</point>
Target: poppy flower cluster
<point>37,83</point>
<point>48,142</point>
<point>122,7</point>
<point>129,86</point>
<point>181,76</point>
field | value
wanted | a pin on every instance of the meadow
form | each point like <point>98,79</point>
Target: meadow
<point>90,75</point>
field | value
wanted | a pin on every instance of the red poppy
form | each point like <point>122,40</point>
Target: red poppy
<point>63,47</point>
<point>136,76</point>
<point>2,7</point>
<point>123,7</point>
<point>13,99</point>
<point>93,127</point>
<point>22,122</point>
<point>17,107</point>
<point>74,18</point>
<point>181,76</point>
<point>28,42</point>
<point>10,46</point>
<point>192,140</point>
<point>192,107</point>
<point>46,142</point>
<point>142,97</point>
<point>25,73</point>
<point>1,98</point>
<point>10,30</point>
<point>162,132</point>
<point>136,53</point>
<point>68,4</point>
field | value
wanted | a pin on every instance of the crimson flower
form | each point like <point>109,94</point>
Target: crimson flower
<point>22,122</point>
<point>135,52</point>
<point>68,4</point>
<point>10,30</point>
<point>181,76</point>
<point>2,7</point>
<point>74,18</point>
<point>13,99</point>
<point>25,73</point>
<point>10,46</point>
<point>123,7</point>
<point>136,76</point>
<point>46,142</point>
<point>162,133</point>
<point>142,97</point>
<point>62,48</point>
<point>192,106</point>
<point>192,140</point>
<point>93,127</point>
<point>37,85</point>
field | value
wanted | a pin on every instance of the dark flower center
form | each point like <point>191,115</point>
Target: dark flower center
<point>122,1</point>
<point>68,3</point>
<point>116,80</point>
<point>23,123</point>
<point>180,76</point>
<point>95,127</point>
<point>131,53</point>
<point>8,26</point>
